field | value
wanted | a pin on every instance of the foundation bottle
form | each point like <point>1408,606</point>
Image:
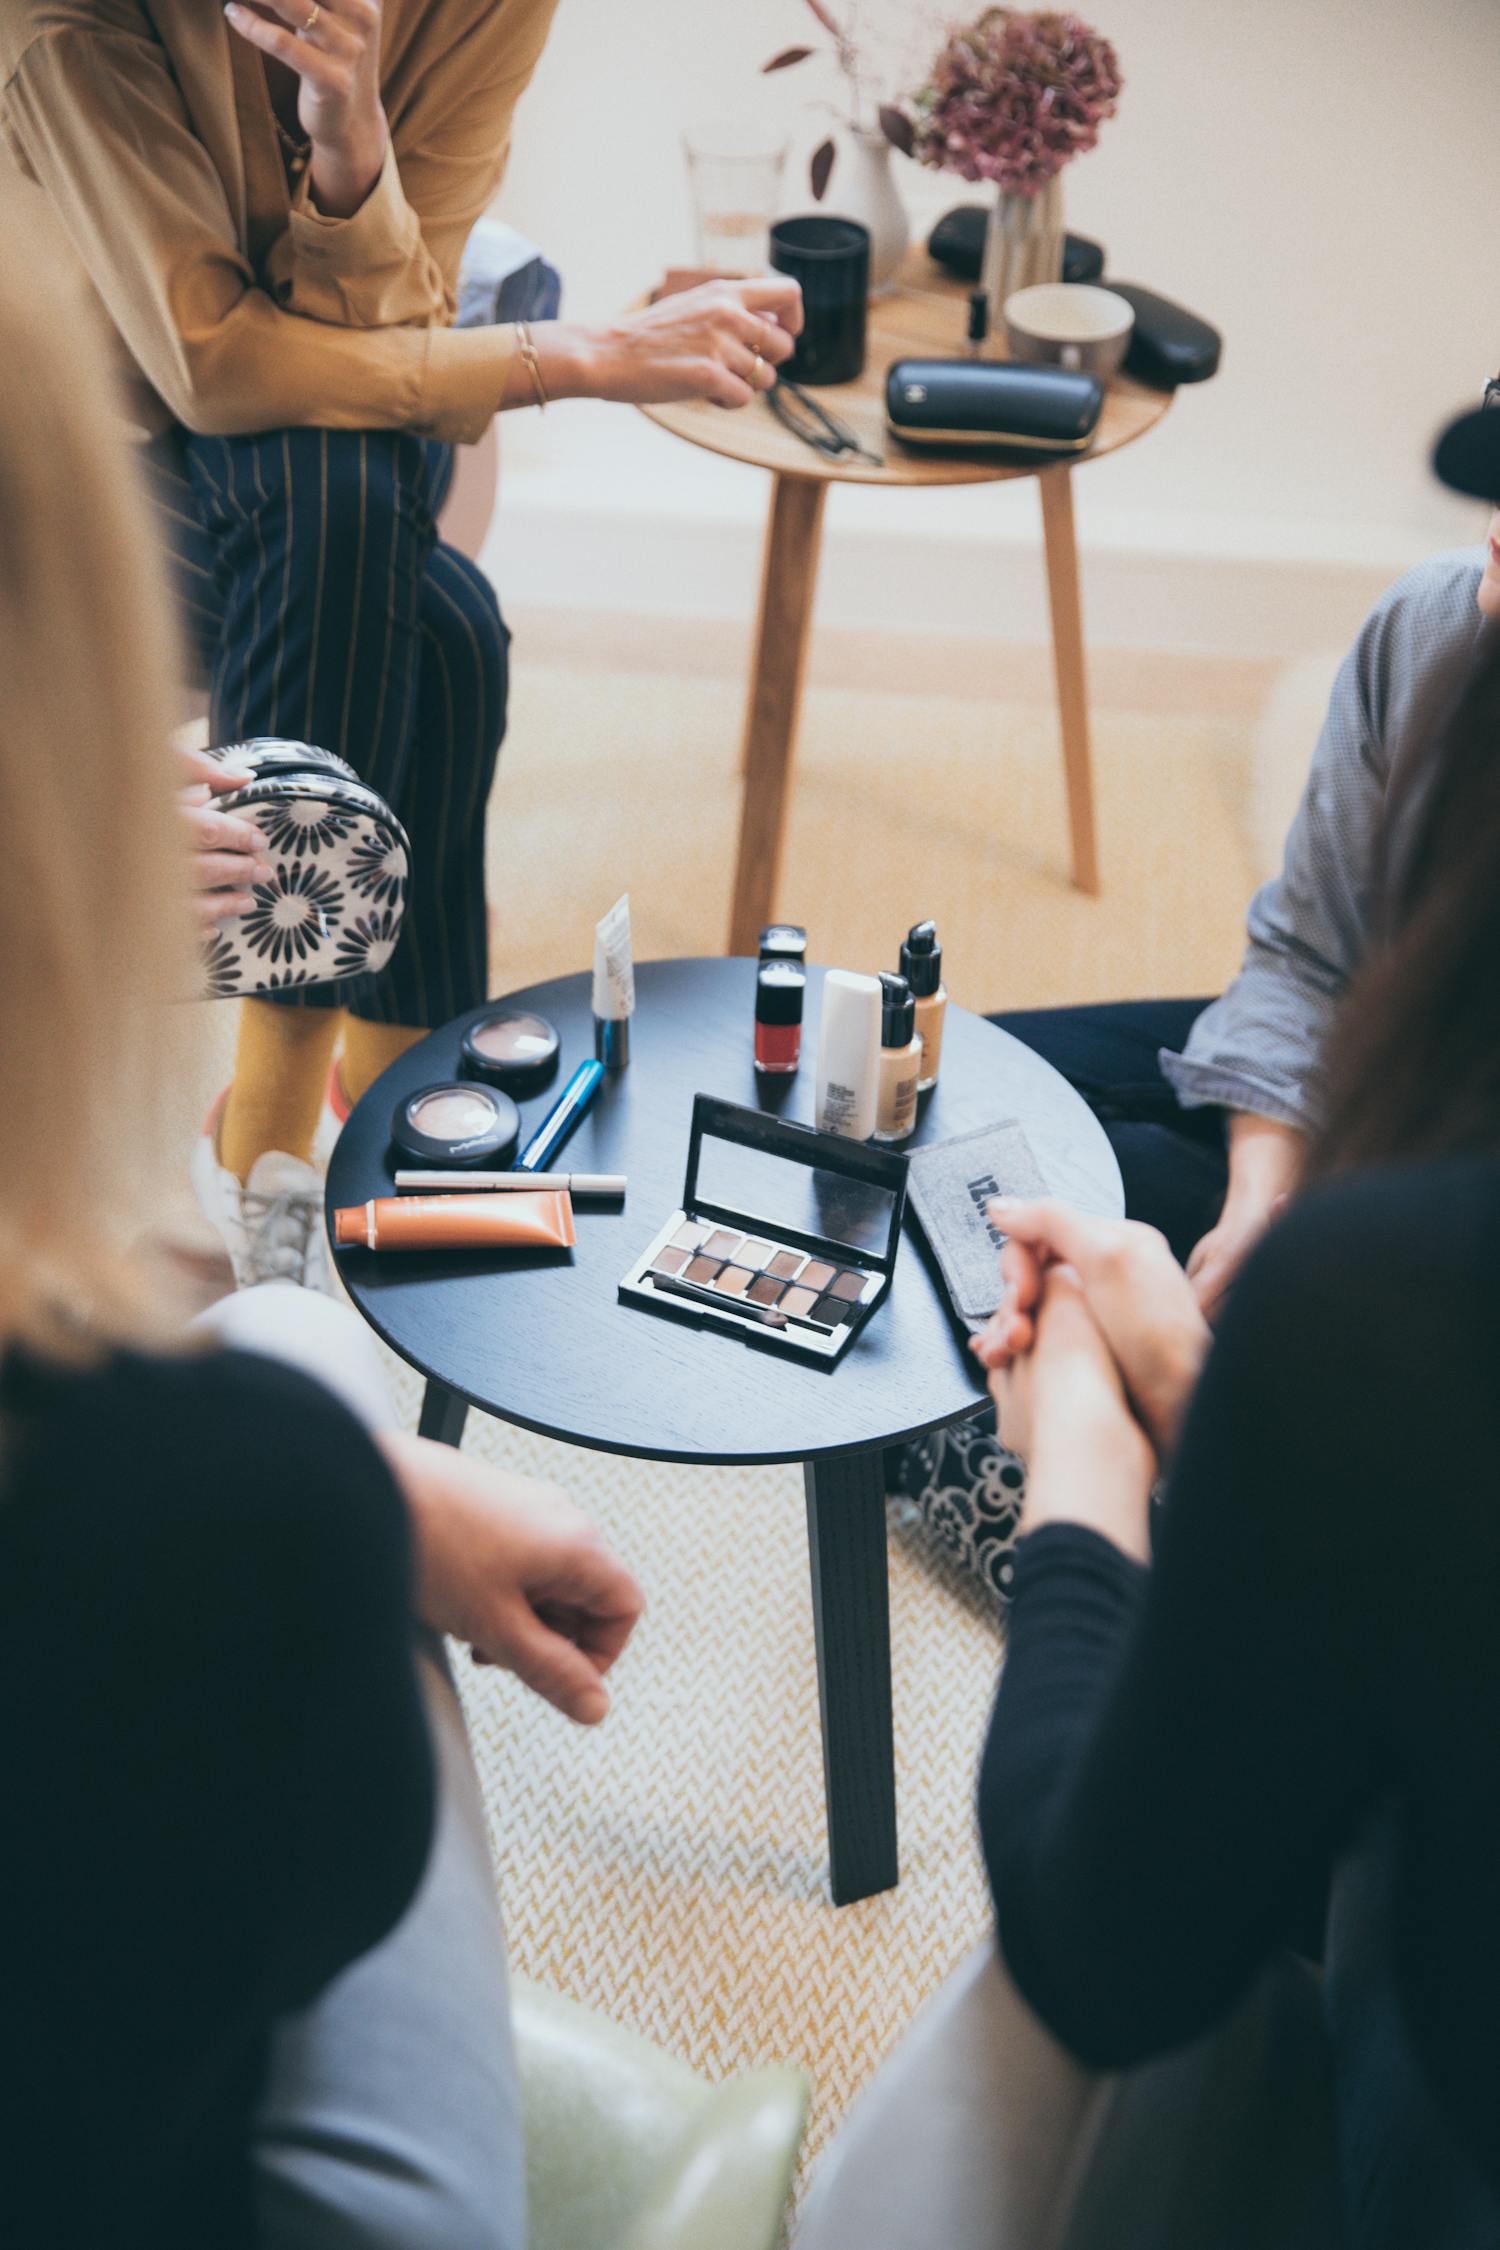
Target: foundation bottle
<point>922,967</point>
<point>900,1061</point>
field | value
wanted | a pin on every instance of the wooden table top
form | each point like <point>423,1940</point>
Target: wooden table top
<point>542,1340</point>
<point>922,318</point>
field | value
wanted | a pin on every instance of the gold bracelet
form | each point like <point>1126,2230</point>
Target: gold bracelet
<point>527,344</point>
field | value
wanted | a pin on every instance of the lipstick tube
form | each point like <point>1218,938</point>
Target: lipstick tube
<point>539,1221</point>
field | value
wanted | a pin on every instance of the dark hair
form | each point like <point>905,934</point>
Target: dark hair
<point>1413,1067</point>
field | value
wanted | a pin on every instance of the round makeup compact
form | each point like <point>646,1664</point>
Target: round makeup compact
<point>332,905</point>
<point>512,1048</point>
<point>459,1123</point>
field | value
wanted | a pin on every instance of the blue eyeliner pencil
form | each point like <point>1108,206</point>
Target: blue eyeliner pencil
<point>561,1118</point>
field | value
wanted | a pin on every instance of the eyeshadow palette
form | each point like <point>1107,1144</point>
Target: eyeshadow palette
<point>788,1281</point>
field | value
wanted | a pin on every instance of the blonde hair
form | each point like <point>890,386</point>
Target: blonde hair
<point>95,932</point>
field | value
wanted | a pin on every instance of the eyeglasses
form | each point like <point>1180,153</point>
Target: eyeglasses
<point>807,420</point>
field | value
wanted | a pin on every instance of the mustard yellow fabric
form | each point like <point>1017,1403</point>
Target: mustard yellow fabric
<point>148,126</point>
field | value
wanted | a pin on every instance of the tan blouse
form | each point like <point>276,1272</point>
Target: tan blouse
<point>148,124</point>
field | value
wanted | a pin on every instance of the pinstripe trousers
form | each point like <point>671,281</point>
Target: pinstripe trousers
<point>322,605</point>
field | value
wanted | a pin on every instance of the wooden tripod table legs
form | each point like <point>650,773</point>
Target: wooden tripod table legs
<point>788,579</point>
<point>789,574</point>
<point>1056,491</point>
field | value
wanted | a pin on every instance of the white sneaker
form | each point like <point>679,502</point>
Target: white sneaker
<point>272,1227</point>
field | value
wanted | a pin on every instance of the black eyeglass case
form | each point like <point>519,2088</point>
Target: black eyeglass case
<point>332,906</point>
<point>992,403</point>
<point>957,243</point>
<point>1168,344</point>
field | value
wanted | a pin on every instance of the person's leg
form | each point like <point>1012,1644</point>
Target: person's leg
<point>441,965</point>
<point>982,2133</point>
<point>391,2117</point>
<point>1172,1160</point>
<point>320,542</point>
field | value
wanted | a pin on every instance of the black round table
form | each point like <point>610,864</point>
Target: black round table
<point>542,1340</point>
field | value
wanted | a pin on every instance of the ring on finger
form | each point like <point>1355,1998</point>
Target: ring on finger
<point>311,24</point>
<point>756,364</point>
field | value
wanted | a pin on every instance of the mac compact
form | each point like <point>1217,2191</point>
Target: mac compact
<point>510,1047</point>
<point>456,1124</point>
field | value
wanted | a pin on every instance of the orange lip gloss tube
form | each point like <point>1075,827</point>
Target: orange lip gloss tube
<point>540,1221</point>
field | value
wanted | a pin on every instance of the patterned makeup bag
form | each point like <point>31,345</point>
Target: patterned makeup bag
<point>340,863</point>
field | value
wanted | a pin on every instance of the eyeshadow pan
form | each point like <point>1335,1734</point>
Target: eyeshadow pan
<point>720,1244</point>
<point>755,1252</point>
<point>799,1301</point>
<point>785,1263</point>
<point>850,1285</point>
<point>670,1261</point>
<point>832,1310</point>
<point>701,1270</point>
<point>817,1273</point>
<point>734,1281</point>
<point>688,1237</point>
<point>765,1289</point>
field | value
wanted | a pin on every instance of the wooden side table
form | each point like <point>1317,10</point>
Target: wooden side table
<point>922,319</point>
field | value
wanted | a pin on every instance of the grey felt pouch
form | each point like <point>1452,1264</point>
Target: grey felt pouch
<point>949,1184</point>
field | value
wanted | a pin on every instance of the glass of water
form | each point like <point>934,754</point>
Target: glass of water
<point>735,175</point>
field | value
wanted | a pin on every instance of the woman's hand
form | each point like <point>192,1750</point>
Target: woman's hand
<point>512,1567</point>
<point>228,854</point>
<point>1060,1403</point>
<point>1139,1296</point>
<point>334,48</point>
<point>721,341</point>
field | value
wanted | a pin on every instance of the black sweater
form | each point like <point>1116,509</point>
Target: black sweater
<point>1309,1675</point>
<point>214,1768</point>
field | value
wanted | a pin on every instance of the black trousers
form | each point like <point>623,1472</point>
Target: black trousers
<point>1173,1161</point>
<point>322,605</point>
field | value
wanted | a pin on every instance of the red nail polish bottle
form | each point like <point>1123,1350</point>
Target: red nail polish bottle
<point>779,988</point>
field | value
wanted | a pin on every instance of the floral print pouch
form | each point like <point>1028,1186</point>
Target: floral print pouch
<point>341,864</point>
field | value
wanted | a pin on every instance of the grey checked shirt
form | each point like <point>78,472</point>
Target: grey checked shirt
<point>1259,1047</point>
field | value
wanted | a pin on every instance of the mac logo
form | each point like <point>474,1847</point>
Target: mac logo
<point>915,393</point>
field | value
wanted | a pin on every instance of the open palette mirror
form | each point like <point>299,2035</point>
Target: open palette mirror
<point>785,1236</point>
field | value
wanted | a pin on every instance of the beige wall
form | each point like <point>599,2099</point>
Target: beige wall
<point>1313,175</point>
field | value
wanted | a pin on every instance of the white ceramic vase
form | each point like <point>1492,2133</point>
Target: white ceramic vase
<point>1024,244</point>
<point>864,189</point>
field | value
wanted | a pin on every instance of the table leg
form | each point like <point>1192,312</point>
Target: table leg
<point>789,572</point>
<point>852,1618</point>
<point>1056,491</point>
<point>443,1414</point>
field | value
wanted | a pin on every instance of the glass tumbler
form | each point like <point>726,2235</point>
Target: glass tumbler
<point>735,178</point>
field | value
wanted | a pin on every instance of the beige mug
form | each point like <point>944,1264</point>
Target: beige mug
<point>1069,324</point>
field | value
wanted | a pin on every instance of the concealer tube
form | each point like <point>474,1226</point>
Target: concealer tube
<point>542,1221</point>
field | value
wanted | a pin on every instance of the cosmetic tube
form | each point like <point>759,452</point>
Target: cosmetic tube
<point>614,986</point>
<point>900,1061</point>
<point>560,1119</point>
<point>540,1221</point>
<point>922,967</point>
<point>507,1183</point>
<point>849,1055</point>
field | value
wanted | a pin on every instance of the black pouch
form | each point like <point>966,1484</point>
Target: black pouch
<point>993,403</point>
<point>1168,344</point>
<point>957,243</point>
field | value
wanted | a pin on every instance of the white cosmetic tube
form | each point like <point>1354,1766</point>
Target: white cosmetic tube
<point>614,986</point>
<point>849,1055</point>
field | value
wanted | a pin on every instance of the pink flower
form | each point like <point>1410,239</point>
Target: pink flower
<point>1014,97</point>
